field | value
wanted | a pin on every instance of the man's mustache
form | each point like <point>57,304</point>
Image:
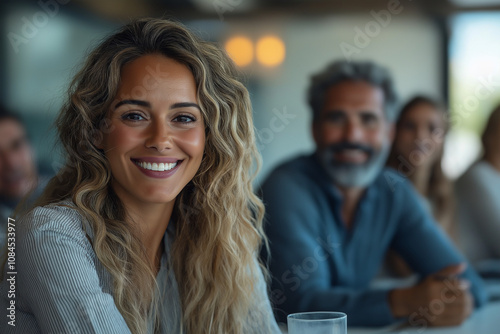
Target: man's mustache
<point>335,148</point>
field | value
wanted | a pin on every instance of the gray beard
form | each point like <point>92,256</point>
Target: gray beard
<point>349,175</point>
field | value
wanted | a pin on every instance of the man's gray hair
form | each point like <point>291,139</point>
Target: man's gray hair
<point>343,70</point>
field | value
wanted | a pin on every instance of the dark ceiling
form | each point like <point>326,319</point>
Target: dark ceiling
<point>207,9</point>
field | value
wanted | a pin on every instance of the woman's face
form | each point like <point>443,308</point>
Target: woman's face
<point>420,134</point>
<point>156,138</point>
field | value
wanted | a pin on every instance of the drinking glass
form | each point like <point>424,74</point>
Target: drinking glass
<point>317,323</point>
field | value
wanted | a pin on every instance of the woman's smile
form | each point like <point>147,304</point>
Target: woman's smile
<point>156,168</point>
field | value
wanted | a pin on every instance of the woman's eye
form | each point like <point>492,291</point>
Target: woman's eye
<point>132,117</point>
<point>184,119</point>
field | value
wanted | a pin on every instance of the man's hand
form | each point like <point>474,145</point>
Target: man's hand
<point>442,299</point>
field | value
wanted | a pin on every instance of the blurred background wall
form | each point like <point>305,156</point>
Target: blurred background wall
<point>447,49</point>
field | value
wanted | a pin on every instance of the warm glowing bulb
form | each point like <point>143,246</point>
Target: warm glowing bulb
<point>240,49</point>
<point>270,51</point>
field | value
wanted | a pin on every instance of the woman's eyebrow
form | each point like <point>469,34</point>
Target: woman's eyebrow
<point>185,105</point>
<point>134,102</point>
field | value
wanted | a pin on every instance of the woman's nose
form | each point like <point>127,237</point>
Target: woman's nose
<point>160,137</point>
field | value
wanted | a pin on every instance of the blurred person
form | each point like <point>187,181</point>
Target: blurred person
<point>18,172</point>
<point>478,197</point>
<point>416,154</point>
<point>332,215</point>
<point>152,225</point>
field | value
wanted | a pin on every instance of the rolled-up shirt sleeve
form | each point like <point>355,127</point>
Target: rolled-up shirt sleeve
<point>427,248</point>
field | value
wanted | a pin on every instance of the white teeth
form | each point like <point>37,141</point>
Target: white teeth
<point>161,167</point>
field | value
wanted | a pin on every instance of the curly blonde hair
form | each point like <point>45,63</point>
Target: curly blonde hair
<point>218,218</point>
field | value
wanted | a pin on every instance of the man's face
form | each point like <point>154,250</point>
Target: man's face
<point>352,135</point>
<point>17,168</point>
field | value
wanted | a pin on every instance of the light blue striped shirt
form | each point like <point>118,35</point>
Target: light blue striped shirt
<point>62,287</point>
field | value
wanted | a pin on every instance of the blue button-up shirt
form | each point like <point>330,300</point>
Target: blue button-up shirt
<point>318,264</point>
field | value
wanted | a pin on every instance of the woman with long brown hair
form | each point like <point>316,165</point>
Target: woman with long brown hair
<point>416,154</point>
<point>152,225</point>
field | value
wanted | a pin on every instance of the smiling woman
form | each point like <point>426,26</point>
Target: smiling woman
<point>152,225</point>
<point>157,142</point>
